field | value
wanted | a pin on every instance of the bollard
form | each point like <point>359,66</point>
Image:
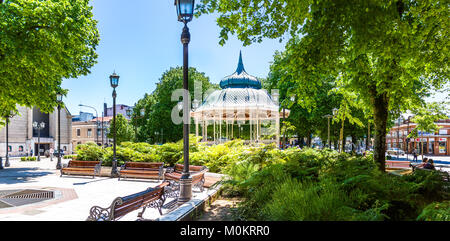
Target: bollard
<point>1,163</point>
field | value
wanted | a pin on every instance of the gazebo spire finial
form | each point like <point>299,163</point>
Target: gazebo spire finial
<point>240,67</point>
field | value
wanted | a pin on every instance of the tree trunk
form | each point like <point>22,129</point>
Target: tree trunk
<point>380,117</point>
<point>308,140</point>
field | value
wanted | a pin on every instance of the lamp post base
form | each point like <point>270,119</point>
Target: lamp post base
<point>114,172</point>
<point>7,162</point>
<point>185,190</point>
<point>58,164</point>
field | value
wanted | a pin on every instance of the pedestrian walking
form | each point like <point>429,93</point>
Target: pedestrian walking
<point>51,154</point>
<point>415,155</point>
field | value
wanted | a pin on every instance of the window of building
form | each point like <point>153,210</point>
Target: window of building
<point>442,132</point>
<point>64,148</point>
<point>78,132</point>
<point>89,132</point>
<point>20,148</point>
<point>9,148</point>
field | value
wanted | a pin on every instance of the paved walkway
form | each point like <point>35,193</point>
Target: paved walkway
<point>79,193</point>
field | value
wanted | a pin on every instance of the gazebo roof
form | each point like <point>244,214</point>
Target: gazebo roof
<point>240,78</point>
<point>241,97</point>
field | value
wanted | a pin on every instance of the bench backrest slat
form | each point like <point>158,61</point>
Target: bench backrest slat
<point>180,167</point>
<point>143,165</point>
<point>73,163</point>
<point>137,200</point>
<point>127,207</point>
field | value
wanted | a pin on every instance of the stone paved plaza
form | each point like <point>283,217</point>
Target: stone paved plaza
<point>74,195</point>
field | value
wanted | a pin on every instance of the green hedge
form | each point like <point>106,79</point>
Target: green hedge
<point>29,158</point>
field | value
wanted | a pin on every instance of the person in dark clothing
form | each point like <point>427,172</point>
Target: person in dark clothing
<point>429,164</point>
<point>415,155</point>
<point>424,161</point>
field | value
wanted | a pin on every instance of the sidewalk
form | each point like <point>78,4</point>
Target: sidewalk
<point>78,193</point>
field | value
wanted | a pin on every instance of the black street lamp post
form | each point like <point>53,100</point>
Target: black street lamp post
<point>59,100</point>
<point>185,12</point>
<point>114,79</point>
<point>8,117</point>
<point>39,127</point>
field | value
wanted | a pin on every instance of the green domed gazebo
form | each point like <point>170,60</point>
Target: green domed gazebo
<point>242,102</point>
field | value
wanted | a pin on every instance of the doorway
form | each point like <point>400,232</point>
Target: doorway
<point>43,148</point>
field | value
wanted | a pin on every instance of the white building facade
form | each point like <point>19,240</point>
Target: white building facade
<point>23,139</point>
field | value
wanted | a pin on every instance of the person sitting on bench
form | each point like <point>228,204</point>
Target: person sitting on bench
<point>429,165</point>
<point>420,165</point>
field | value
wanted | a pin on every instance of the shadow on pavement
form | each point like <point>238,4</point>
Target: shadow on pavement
<point>21,175</point>
<point>94,180</point>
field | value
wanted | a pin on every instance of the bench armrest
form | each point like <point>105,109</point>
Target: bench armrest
<point>97,168</point>
<point>161,170</point>
<point>97,213</point>
<point>169,170</point>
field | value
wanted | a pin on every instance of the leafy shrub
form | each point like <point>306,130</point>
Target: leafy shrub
<point>436,212</point>
<point>294,200</point>
<point>29,158</point>
<point>89,152</point>
<point>311,184</point>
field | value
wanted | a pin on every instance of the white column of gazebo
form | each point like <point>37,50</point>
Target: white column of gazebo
<point>253,117</point>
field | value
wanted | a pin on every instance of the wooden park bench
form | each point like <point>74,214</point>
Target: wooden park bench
<point>398,164</point>
<point>173,175</point>
<point>152,197</point>
<point>82,168</point>
<point>142,170</point>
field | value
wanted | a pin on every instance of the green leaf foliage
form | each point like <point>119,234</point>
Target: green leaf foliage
<point>391,54</point>
<point>42,43</point>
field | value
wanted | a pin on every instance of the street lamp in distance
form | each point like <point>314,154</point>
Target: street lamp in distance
<point>114,81</point>
<point>39,126</point>
<point>8,118</point>
<point>59,97</point>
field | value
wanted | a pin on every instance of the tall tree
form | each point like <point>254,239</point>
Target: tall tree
<point>157,122</point>
<point>388,52</point>
<point>141,115</point>
<point>41,43</point>
<point>124,130</point>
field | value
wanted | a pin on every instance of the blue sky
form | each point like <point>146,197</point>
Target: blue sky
<point>140,40</point>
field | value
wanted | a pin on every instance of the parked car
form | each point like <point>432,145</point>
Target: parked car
<point>395,151</point>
